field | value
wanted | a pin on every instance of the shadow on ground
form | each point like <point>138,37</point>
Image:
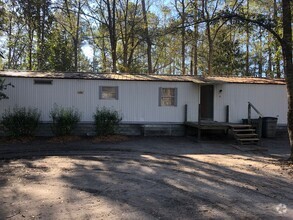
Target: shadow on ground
<point>149,178</point>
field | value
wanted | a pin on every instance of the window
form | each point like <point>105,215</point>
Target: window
<point>168,97</point>
<point>109,92</point>
<point>43,81</point>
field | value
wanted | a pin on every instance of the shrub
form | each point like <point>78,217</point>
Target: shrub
<point>106,121</point>
<point>64,120</point>
<point>21,121</point>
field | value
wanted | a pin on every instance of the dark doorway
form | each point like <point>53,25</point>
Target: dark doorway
<point>207,102</point>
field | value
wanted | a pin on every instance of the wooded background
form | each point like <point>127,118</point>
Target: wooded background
<point>142,36</point>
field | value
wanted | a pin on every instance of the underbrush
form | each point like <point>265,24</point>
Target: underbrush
<point>20,121</point>
<point>106,121</point>
<point>64,120</point>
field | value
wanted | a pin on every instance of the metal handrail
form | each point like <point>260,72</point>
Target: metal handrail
<point>254,108</point>
<point>251,106</point>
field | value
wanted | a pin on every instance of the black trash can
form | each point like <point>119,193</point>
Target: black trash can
<point>269,126</point>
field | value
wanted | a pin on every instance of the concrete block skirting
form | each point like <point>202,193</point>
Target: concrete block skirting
<point>132,129</point>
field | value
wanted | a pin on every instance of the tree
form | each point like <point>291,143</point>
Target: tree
<point>194,51</point>
<point>103,13</point>
<point>71,23</point>
<point>129,22</point>
<point>147,37</point>
<point>210,11</point>
<point>60,50</point>
<point>288,64</point>
<point>286,43</point>
<point>181,8</point>
<point>228,54</point>
<point>247,42</point>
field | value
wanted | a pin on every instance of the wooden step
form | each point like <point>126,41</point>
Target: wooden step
<point>248,139</point>
<point>249,143</point>
<point>247,135</point>
<point>240,126</point>
<point>244,130</point>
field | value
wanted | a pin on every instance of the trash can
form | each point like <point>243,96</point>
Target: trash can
<point>269,126</point>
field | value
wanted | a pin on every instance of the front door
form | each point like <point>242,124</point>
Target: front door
<point>207,102</point>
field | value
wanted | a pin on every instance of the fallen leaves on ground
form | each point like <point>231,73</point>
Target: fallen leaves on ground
<point>109,138</point>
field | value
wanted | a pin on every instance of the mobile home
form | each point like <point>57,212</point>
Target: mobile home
<point>165,100</point>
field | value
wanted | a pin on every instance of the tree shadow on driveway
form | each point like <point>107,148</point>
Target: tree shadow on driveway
<point>150,179</point>
<point>177,187</point>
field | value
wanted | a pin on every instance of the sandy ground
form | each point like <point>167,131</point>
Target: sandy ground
<point>145,178</point>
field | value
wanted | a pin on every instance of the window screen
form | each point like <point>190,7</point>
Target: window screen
<point>168,97</point>
<point>109,92</point>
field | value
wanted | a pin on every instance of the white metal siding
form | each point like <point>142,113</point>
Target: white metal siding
<point>138,101</point>
<point>270,100</point>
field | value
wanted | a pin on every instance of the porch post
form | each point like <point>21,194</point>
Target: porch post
<point>199,122</point>
<point>199,115</point>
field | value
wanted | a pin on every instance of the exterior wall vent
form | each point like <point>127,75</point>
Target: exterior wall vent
<point>43,82</point>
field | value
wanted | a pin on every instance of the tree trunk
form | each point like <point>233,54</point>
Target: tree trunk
<point>260,54</point>
<point>206,15</point>
<point>195,40</point>
<point>9,45</point>
<point>148,39</point>
<point>211,50</point>
<point>288,65</point>
<point>44,9</point>
<point>183,32</point>
<point>191,61</point>
<point>38,23</point>
<point>104,56</point>
<point>30,50</point>
<point>269,71</point>
<point>247,44</point>
<point>76,38</point>
<point>278,68</point>
<point>31,37</point>
<point>111,10</point>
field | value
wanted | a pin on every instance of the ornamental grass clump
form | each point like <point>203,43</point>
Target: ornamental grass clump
<point>20,121</point>
<point>64,120</point>
<point>106,121</point>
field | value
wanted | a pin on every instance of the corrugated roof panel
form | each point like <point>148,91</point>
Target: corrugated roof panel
<point>137,77</point>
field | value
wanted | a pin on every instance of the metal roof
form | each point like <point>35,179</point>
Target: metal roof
<point>140,77</point>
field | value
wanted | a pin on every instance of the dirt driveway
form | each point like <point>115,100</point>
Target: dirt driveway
<point>145,178</point>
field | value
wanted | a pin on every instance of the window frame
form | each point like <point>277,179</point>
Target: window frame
<point>175,97</point>
<point>116,88</point>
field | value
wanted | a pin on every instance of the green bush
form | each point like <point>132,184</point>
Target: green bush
<point>21,121</point>
<point>106,121</point>
<point>64,120</point>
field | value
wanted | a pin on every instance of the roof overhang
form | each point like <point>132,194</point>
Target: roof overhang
<point>141,77</point>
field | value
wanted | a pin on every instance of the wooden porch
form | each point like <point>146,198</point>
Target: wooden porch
<point>243,133</point>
